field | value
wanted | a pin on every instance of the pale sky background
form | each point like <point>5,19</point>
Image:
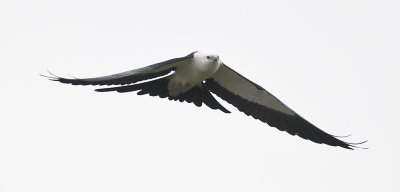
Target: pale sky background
<point>336,63</point>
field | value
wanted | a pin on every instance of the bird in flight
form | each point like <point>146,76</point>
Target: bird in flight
<point>195,76</point>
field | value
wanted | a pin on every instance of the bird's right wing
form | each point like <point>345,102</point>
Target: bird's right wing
<point>128,77</point>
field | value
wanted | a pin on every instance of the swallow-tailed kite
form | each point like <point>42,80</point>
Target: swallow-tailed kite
<point>195,76</point>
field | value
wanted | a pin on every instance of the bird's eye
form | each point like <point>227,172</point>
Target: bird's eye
<point>208,57</point>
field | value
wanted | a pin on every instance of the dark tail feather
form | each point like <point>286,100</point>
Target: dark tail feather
<point>159,87</point>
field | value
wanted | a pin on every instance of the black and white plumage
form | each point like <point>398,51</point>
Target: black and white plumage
<point>195,76</point>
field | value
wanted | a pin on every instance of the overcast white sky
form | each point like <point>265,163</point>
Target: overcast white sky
<point>334,62</point>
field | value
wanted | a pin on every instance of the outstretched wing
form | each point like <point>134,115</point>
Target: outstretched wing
<point>131,76</point>
<point>197,95</point>
<point>255,101</point>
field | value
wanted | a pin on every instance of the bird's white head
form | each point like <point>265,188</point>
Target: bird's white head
<point>207,58</point>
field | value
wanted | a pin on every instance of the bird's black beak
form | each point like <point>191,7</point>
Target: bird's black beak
<point>215,58</point>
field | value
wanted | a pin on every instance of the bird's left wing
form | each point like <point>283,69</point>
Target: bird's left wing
<point>131,76</point>
<point>255,101</point>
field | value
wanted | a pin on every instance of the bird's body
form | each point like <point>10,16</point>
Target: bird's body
<point>193,77</point>
<point>192,72</point>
